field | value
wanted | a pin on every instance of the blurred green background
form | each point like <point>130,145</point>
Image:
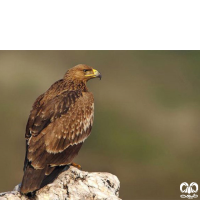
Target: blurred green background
<point>147,113</point>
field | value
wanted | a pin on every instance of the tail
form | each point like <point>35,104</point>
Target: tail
<point>35,179</point>
<point>32,179</point>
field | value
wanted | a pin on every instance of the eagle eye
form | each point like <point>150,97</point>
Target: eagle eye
<point>85,70</point>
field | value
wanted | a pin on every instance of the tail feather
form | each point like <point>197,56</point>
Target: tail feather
<point>32,179</point>
<point>35,179</point>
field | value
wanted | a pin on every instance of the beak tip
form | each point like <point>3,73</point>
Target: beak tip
<point>100,76</point>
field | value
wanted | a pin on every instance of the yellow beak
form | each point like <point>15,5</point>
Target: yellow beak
<point>95,74</point>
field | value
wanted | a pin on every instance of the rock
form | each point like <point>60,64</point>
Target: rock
<point>74,184</point>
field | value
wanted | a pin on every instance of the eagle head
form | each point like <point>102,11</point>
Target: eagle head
<point>83,72</point>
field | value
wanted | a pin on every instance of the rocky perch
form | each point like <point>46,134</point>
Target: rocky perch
<point>74,184</point>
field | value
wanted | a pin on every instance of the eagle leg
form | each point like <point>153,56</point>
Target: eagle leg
<point>76,165</point>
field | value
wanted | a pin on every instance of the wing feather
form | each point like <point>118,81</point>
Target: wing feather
<point>58,129</point>
<point>54,109</point>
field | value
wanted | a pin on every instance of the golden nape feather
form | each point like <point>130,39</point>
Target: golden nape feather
<point>59,122</point>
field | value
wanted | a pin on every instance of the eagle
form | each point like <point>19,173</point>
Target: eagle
<point>59,122</point>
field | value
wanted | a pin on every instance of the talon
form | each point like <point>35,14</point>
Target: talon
<point>76,165</point>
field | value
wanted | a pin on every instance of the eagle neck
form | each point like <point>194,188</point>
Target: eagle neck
<point>76,85</point>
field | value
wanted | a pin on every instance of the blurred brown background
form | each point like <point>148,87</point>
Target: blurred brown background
<point>147,112</point>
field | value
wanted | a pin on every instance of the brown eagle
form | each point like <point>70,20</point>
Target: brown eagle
<point>59,122</point>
